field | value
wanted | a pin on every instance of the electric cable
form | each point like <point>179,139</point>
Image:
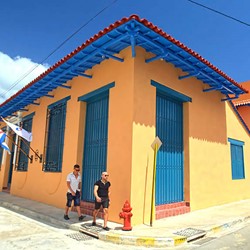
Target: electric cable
<point>218,12</point>
<point>56,49</point>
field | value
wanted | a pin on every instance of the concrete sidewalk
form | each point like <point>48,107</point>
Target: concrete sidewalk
<point>171,231</point>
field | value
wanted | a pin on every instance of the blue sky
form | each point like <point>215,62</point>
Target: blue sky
<point>31,30</point>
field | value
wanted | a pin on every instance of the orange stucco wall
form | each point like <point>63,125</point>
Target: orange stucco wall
<point>244,99</point>
<point>208,122</point>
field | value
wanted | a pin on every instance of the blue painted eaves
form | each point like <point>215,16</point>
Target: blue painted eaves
<point>107,44</point>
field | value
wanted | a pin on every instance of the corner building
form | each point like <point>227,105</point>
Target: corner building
<point>102,107</point>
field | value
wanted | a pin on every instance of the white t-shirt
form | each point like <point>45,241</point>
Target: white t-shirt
<point>74,182</point>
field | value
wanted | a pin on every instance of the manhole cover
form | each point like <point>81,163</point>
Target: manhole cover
<point>80,236</point>
<point>191,233</point>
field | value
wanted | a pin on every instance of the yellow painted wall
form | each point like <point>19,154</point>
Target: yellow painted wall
<point>208,122</point>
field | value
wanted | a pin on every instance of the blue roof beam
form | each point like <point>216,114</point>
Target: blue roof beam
<point>230,98</point>
<point>105,54</point>
<point>172,54</point>
<point>133,44</point>
<point>50,96</point>
<point>211,89</point>
<point>35,103</point>
<point>189,75</point>
<point>132,30</point>
<point>219,84</point>
<point>65,86</point>
<point>84,75</point>
<point>156,58</point>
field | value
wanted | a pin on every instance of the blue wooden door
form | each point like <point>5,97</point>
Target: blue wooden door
<point>169,167</point>
<point>95,146</point>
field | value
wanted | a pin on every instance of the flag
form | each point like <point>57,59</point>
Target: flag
<point>20,131</point>
<point>2,141</point>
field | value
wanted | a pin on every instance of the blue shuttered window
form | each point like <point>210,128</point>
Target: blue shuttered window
<point>54,139</point>
<point>2,150</point>
<point>23,160</point>
<point>96,138</point>
<point>169,170</point>
<point>237,159</point>
<point>169,128</point>
<point>1,156</point>
<point>95,149</point>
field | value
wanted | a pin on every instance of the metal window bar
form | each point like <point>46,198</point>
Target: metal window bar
<point>22,163</point>
<point>55,137</point>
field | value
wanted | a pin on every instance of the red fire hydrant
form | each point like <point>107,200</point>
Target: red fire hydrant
<point>126,215</point>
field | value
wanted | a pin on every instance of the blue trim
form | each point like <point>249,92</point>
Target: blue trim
<point>239,116</point>
<point>59,102</point>
<point>237,159</point>
<point>130,33</point>
<point>170,92</point>
<point>96,92</point>
<point>236,142</point>
<point>55,136</point>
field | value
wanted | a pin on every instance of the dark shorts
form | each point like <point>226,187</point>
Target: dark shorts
<point>104,203</point>
<point>75,198</point>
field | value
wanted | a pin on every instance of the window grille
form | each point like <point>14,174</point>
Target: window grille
<point>1,156</point>
<point>54,138</point>
<point>23,160</point>
<point>237,159</point>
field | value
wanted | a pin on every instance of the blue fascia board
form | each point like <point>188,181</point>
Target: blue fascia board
<point>59,101</point>
<point>132,33</point>
<point>170,92</point>
<point>236,142</point>
<point>96,92</point>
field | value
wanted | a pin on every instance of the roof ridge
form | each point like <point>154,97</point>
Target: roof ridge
<point>106,30</point>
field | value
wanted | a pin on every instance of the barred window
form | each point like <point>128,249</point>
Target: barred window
<point>54,138</point>
<point>1,156</point>
<point>22,159</point>
<point>2,150</point>
<point>237,159</point>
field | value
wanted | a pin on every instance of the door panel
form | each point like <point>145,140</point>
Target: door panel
<point>95,146</point>
<point>169,167</point>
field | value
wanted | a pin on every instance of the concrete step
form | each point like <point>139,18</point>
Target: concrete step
<point>173,209</point>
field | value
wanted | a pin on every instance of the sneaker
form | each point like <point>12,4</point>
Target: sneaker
<point>66,217</point>
<point>93,224</point>
<point>81,218</point>
<point>106,228</point>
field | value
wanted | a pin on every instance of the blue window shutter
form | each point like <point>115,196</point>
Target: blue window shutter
<point>22,163</point>
<point>237,159</point>
<point>1,156</point>
<point>56,118</point>
<point>96,140</point>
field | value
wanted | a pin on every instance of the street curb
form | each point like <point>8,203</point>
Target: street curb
<point>227,225</point>
<point>142,240</point>
<point>118,238</point>
<point>168,241</point>
<point>36,215</point>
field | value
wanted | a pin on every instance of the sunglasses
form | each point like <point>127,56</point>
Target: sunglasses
<point>106,175</point>
<point>77,170</point>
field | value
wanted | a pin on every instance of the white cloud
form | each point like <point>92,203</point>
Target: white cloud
<point>15,73</point>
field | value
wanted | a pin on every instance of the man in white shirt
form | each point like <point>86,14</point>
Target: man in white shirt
<point>73,194</point>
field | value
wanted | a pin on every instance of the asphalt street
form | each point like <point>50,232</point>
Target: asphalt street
<point>20,232</point>
<point>236,239</point>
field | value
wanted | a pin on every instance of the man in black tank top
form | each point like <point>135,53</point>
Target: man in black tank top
<point>101,193</point>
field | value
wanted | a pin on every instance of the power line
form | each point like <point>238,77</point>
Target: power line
<point>218,12</point>
<point>56,49</point>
